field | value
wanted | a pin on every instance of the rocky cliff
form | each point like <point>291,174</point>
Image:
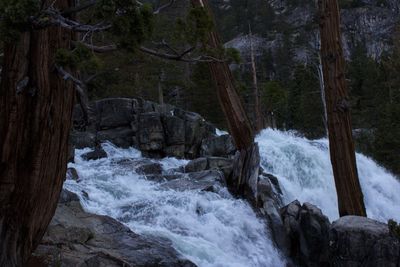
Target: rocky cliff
<point>294,28</point>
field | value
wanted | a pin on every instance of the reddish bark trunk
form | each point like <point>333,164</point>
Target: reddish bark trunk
<point>238,122</point>
<point>245,175</point>
<point>34,128</point>
<point>350,197</point>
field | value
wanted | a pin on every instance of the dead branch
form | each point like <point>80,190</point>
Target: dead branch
<point>98,49</point>
<point>56,19</point>
<point>161,8</point>
<point>79,87</point>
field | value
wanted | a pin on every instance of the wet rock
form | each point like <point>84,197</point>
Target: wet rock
<point>121,136</point>
<point>114,112</point>
<point>97,153</point>
<point>219,146</point>
<point>141,166</point>
<point>308,232</point>
<point>83,139</point>
<point>174,130</point>
<point>158,131</point>
<point>149,168</point>
<point>268,187</point>
<point>204,181</point>
<point>177,151</point>
<point>210,163</point>
<point>196,165</point>
<point>270,210</point>
<point>360,241</point>
<point>72,174</point>
<point>151,132</point>
<point>77,238</point>
<point>71,153</point>
<point>67,196</point>
<point>163,177</point>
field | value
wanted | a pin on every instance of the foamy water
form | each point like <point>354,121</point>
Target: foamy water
<point>305,173</point>
<point>210,229</point>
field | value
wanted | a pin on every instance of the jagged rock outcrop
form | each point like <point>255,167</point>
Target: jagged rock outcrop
<point>77,238</point>
<point>156,130</point>
<point>351,241</point>
<point>359,241</point>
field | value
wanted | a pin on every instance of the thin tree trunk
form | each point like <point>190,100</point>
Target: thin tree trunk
<point>259,121</point>
<point>35,116</point>
<point>245,174</point>
<point>341,143</point>
<point>322,91</point>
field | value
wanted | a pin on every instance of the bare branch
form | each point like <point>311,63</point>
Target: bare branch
<point>98,49</point>
<point>56,19</point>
<point>79,87</point>
<point>161,8</point>
<point>175,57</point>
<point>68,77</point>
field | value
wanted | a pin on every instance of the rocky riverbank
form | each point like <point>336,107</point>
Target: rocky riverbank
<point>301,232</point>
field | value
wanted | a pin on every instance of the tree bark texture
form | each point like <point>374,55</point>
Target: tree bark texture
<point>341,144</point>
<point>238,122</point>
<point>35,117</point>
<point>247,160</point>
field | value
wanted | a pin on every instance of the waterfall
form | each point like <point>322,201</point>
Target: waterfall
<point>208,228</point>
<point>304,170</point>
<point>214,229</point>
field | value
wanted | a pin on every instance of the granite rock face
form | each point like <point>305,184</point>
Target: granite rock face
<point>158,131</point>
<point>351,241</point>
<point>358,241</point>
<point>77,238</point>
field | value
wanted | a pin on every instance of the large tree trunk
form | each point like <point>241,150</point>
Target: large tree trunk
<point>35,116</point>
<point>238,122</point>
<point>245,174</point>
<point>341,143</point>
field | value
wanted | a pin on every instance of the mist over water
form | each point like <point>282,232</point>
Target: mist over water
<point>304,171</point>
<point>210,229</point>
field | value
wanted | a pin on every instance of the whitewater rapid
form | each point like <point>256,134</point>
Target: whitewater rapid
<point>304,171</point>
<point>210,229</point>
<point>215,229</point>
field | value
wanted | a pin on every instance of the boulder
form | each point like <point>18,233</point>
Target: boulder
<point>210,163</point>
<point>121,136</point>
<point>114,112</point>
<point>72,174</point>
<point>77,238</point>
<point>211,180</point>
<point>97,153</point>
<point>196,129</point>
<point>174,128</point>
<point>219,146</point>
<point>157,130</point>
<point>359,241</point>
<point>308,232</point>
<point>83,139</point>
<point>151,132</point>
<point>141,166</point>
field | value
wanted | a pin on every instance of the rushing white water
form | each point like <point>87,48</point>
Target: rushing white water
<point>305,173</point>
<point>210,229</point>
